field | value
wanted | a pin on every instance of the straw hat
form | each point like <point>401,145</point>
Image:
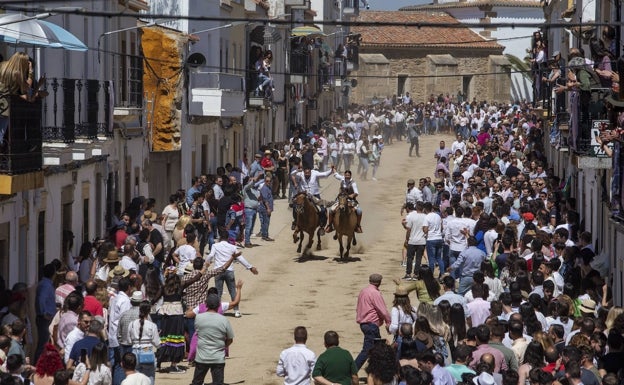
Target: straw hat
<point>148,214</point>
<point>118,272</point>
<point>112,257</point>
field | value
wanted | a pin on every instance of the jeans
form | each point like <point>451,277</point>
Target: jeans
<point>348,160</point>
<point>434,253</point>
<point>43,332</point>
<point>217,371</point>
<point>233,233</point>
<point>465,283</point>
<point>364,164</point>
<point>227,277</point>
<point>118,373</point>
<point>211,234</point>
<point>250,221</point>
<point>371,332</point>
<point>190,328</point>
<point>265,220</point>
<point>452,258</point>
<point>418,251</point>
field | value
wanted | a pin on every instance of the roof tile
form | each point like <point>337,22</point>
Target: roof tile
<point>414,37</point>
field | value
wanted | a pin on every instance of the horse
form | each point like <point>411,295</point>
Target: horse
<point>345,221</point>
<point>307,220</point>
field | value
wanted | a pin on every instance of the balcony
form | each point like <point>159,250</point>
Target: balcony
<point>21,158</point>
<point>216,94</point>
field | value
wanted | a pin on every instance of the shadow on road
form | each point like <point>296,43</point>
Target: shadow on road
<point>347,260</point>
<point>309,257</point>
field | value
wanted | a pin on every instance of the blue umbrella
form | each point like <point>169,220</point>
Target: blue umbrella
<point>23,30</point>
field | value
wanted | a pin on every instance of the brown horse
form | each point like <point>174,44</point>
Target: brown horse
<point>307,220</point>
<point>345,221</point>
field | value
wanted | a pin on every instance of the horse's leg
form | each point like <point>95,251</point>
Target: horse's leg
<point>341,246</point>
<point>295,236</point>
<point>348,246</point>
<point>300,240</point>
<point>318,235</point>
<point>354,240</point>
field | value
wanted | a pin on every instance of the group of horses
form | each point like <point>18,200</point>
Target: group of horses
<point>307,220</point>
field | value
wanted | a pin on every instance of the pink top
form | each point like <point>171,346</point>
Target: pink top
<point>371,307</point>
<point>499,359</point>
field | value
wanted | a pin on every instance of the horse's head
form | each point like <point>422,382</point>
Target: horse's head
<point>342,202</point>
<point>298,202</point>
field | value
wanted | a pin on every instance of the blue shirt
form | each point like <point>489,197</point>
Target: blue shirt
<point>469,261</point>
<point>190,193</point>
<point>266,199</point>
<point>87,343</point>
<point>45,302</point>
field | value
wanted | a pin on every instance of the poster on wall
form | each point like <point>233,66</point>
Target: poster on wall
<point>599,126</point>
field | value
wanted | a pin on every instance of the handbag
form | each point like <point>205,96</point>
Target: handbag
<point>145,357</point>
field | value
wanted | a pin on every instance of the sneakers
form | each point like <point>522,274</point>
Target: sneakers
<point>407,277</point>
<point>404,264</point>
<point>237,314</point>
<point>268,239</point>
<point>248,245</point>
<point>176,370</point>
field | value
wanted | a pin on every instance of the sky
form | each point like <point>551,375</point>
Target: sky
<point>393,5</point>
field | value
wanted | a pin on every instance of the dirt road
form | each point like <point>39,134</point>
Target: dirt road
<point>319,293</point>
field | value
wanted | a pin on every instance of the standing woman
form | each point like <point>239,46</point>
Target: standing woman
<point>100,369</point>
<point>402,312</point>
<point>364,154</point>
<point>458,327</point>
<point>375,156</point>
<point>170,216</point>
<point>14,76</point>
<point>172,345</point>
<point>153,289</point>
<point>144,336</point>
<point>348,150</point>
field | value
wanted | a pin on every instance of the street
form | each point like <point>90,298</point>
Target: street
<point>319,293</point>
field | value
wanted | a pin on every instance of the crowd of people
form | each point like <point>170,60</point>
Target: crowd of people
<point>509,293</point>
<point>512,291</point>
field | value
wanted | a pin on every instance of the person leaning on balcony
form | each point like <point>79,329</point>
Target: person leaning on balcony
<point>16,76</point>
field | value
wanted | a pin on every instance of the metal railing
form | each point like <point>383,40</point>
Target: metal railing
<point>77,108</point>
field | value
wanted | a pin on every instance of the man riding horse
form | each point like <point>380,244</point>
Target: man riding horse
<point>348,188</point>
<point>307,182</point>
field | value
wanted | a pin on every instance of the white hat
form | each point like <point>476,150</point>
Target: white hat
<point>137,296</point>
<point>484,379</point>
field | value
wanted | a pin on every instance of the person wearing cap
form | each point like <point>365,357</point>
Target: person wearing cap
<point>296,363</point>
<point>413,194</point>
<point>402,312</point>
<point>267,163</point>
<point>214,334</point>
<point>371,313</point>
<point>255,170</point>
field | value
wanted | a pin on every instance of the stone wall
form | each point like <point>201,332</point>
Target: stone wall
<point>375,81</point>
<point>422,81</point>
<point>163,82</point>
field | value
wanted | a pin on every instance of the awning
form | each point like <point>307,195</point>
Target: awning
<point>306,31</point>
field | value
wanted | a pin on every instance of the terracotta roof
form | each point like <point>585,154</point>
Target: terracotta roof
<point>413,37</point>
<point>477,3</point>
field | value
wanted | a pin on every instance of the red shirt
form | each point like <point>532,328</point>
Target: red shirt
<point>92,305</point>
<point>266,162</point>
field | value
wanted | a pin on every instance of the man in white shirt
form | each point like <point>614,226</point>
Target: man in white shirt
<point>459,144</point>
<point>78,333</point>
<point>126,261</point>
<point>308,182</point>
<point>296,363</point>
<point>119,304</point>
<point>416,240</point>
<point>433,232</point>
<point>220,254</point>
<point>412,195</point>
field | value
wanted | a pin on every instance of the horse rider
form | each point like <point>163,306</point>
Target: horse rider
<point>307,182</point>
<point>349,188</point>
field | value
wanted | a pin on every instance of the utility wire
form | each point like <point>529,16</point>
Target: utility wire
<point>351,23</point>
